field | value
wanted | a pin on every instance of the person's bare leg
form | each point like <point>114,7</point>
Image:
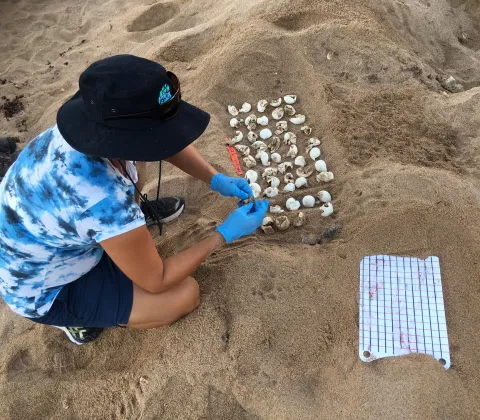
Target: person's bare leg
<point>152,310</point>
<point>142,178</point>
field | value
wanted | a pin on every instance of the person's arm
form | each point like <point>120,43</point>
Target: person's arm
<point>134,252</point>
<point>136,255</point>
<point>190,161</point>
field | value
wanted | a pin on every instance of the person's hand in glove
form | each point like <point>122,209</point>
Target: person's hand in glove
<point>231,187</point>
<point>244,220</point>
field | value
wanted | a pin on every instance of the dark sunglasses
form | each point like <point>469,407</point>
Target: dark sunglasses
<point>162,111</point>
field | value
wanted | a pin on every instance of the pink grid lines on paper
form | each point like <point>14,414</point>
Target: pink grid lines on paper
<point>401,308</point>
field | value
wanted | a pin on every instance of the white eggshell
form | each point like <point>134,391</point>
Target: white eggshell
<point>274,182</point>
<point>301,182</point>
<point>262,105</point>
<point>276,158</point>
<point>324,196</point>
<point>308,201</point>
<point>321,166</point>
<point>300,161</point>
<point>315,153</point>
<point>326,209</point>
<point>262,120</point>
<point>259,145</point>
<point>234,122</point>
<point>290,99</point>
<point>251,176</point>
<point>277,113</point>
<point>256,189</point>
<point>265,133</point>
<point>271,192</point>
<point>232,110</point>
<point>290,187</point>
<point>298,119</point>
<point>265,159</point>
<point>246,107</point>
<point>276,210</point>
<point>276,102</point>
<point>292,204</point>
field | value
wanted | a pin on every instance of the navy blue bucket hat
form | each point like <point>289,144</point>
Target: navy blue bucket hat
<point>129,108</point>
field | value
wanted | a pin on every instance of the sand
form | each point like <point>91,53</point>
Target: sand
<point>276,334</point>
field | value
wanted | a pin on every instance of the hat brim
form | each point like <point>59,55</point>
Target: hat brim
<point>130,139</point>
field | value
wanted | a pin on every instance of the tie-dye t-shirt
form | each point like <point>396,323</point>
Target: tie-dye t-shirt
<point>56,205</point>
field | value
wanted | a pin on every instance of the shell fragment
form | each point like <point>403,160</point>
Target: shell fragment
<point>298,119</point>
<point>232,110</point>
<point>282,223</point>
<point>250,161</point>
<point>271,192</point>
<point>237,138</point>
<point>326,209</point>
<point>301,182</point>
<point>290,138</point>
<point>276,102</point>
<point>325,177</point>
<point>305,171</point>
<point>283,167</point>
<point>246,107</point>
<point>282,126</point>
<point>244,150</point>
<point>300,219</point>
<point>277,113</point>
<point>289,110</point>
<point>292,152</point>
<point>262,105</point>
<point>276,210</point>
<point>300,161</point>
<point>306,130</point>
<point>252,137</point>
<point>274,144</point>
<point>290,99</point>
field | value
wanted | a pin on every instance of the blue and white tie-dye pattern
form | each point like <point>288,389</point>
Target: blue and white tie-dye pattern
<point>56,205</point>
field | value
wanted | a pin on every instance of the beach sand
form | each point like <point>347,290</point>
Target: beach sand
<point>276,334</point>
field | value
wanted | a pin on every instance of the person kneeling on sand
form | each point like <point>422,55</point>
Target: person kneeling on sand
<point>76,252</point>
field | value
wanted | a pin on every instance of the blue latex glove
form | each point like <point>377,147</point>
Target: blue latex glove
<point>244,220</point>
<point>231,187</point>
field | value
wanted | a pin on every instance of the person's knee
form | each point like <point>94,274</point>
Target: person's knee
<point>193,294</point>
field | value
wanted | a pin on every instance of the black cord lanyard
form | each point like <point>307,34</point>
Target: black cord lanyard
<point>143,198</point>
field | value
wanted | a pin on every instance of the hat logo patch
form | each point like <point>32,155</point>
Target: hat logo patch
<point>165,94</point>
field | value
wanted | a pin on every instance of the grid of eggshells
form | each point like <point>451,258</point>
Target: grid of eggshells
<point>269,142</point>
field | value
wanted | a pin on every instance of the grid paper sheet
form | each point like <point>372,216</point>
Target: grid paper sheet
<point>401,308</point>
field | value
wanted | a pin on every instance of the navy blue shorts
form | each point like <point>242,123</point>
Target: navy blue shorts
<point>101,298</point>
